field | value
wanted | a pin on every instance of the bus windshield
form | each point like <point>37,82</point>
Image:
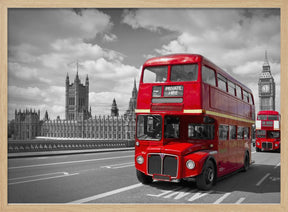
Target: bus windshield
<point>273,134</point>
<point>149,127</point>
<point>155,74</point>
<point>186,72</point>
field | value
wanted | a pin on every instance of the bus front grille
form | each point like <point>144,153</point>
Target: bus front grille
<point>267,145</point>
<point>165,165</point>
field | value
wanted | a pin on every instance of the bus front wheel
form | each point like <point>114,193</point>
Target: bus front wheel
<point>205,180</point>
<point>143,178</point>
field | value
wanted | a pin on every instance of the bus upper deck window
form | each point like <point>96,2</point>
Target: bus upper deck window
<point>186,72</point>
<point>155,74</point>
<point>208,76</point>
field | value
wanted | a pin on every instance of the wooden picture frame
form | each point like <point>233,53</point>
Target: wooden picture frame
<point>6,4</point>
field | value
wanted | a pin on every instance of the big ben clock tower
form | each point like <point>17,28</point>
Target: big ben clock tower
<point>266,87</point>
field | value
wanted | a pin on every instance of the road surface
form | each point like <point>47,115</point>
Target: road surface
<point>110,177</point>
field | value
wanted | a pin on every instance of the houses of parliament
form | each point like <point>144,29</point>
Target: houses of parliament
<point>78,122</point>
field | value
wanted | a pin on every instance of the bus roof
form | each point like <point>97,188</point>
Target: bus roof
<point>268,112</point>
<point>190,58</point>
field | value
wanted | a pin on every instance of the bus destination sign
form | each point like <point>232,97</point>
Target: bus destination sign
<point>175,90</point>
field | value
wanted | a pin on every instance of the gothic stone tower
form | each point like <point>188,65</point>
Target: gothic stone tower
<point>77,99</point>
<point>132,103</point>
<point>266,87</point>
<point>114,109</point>
<point>27,124</point>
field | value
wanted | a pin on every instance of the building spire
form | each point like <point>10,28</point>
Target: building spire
<point>266,62</point>
<point>77,76</point>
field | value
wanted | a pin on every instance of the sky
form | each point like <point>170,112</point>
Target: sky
<point>110,46</point>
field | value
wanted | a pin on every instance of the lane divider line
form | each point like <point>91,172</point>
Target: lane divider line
<point>46,178</point>
<point>39,175</point>
<point>263,178</point>
<point>118,165</point>
<point>106,194</point>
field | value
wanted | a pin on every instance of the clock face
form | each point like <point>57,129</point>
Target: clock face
<point>265,88</point>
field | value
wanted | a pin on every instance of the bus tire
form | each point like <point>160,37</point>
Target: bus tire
<point>143,178</point>
<point>206,179</point>
<point>258,149</point>
<point>246,162</point>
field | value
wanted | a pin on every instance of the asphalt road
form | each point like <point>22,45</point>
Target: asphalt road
<point>110,177</point>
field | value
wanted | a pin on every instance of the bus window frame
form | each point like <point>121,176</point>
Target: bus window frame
<point>235,132</point>
<point>208,69</point>
<point>196,72</point>
<point>147,67</point>
<point>227,132</point>
<point>221,78</point>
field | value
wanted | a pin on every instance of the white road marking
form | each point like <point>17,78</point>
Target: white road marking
<point>179,194</point>
<point>253,152</point>
<point>221,198</point>
<point>161,194</point>
<point>118,166</point>
<point>39,175</point>
<point>106,194</point>
<point>240,200</point>
<point>277,165</point>
<point>198,195</point>
<point>68,162</point>
<point>46,178</point>
<point>261,181</point>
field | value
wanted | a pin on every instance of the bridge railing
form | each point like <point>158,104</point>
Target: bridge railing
<point>60,145</point>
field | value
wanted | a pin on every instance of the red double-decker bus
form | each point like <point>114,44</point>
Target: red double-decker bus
<point>194,121</point>
<point>268,131</point>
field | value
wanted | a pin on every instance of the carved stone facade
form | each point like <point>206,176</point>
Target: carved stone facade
<point>115,127</point>
<point>114,109</point>
<point>77,99</point>
<point>27,124</point>
<point>101,127</point>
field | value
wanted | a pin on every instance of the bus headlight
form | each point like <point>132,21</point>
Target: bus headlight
<point>190,164</point>
<point>137,143</point>
<point>276,145</point>
<point>258,143</point>
<point>140,160</point>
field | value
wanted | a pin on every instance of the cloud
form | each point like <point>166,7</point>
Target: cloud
<point>54,23</point>
<point>234,39</point>
<point>109,37</point>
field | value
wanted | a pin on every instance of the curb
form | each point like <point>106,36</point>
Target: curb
<point>67,152</point>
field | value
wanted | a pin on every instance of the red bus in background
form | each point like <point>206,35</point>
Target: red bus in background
<point>268,131</point>
<point>193,120</point>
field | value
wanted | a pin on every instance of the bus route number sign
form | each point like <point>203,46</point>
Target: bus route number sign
<point>175,90</point>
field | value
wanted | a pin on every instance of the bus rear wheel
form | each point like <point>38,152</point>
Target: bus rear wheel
<point>143,178</point>
<point>205,180</point>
